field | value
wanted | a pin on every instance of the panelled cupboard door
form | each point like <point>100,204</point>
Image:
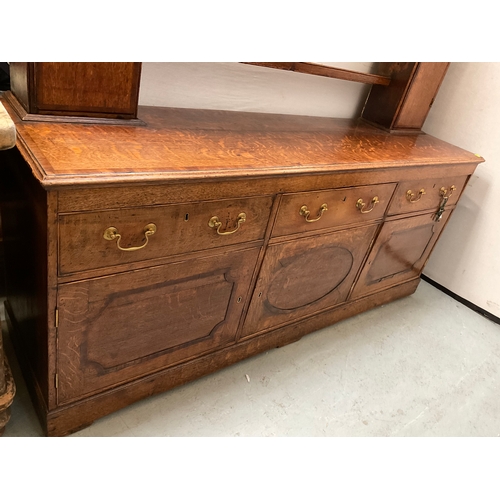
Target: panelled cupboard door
<point>116,328</point>
<point>399,253</point>
<point>306,275</point>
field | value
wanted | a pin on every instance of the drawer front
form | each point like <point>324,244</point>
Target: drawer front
<point>118,328</point>
<point>427,194</point>
<point>331,208</point>
<point>96,240</point>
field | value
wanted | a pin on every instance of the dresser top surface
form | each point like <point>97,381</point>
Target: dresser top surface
<point>187,144</point>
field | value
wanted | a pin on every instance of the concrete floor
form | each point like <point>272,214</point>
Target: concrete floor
<point>422,366</point>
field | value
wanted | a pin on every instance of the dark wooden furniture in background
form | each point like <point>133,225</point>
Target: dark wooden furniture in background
<point>7,385</point>
<point>7,388</point>
<point>142,258</point>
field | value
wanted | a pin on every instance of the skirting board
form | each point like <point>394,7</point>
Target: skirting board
<point>463,301</point>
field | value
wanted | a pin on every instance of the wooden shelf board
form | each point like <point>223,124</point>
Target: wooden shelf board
<point>328,71</point>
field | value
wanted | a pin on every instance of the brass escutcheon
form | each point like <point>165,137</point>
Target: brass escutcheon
<point>445,196</point>
<point>112,233</point>
<point>306,213</point>
<point>216,223</point>
<point>361,206</point>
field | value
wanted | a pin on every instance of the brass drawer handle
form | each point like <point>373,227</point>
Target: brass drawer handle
<point>361,206</point>
<point>112,234</point>
<point>443,192</point>
<point>445,196</point>
<point>215,222</point>
<point>306,213</point>
<point>413,198</point>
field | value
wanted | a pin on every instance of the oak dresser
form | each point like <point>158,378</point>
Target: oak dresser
<point>142,257</point>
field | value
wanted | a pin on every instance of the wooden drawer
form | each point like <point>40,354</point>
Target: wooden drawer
<point>342,208</point>
<point>426,194</point>
<point>178,229</point>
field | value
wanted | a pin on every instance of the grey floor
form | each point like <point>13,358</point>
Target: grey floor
<point>425,365</point>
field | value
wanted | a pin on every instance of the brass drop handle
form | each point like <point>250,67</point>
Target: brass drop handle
<point>216,223</point>
<point>112,234</point>
<point>443,192</point>
<point>445,196</point>
<point>413,198</point>
<point>306,213</point>
<point>361,206</point>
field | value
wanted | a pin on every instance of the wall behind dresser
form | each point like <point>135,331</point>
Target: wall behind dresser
<point>240,87</point>
<point>466,112</point>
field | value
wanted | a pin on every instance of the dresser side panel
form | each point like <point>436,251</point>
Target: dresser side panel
<point>24,218</point>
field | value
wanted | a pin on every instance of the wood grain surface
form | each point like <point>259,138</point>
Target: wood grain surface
<point>89,89</point>
<point>187,144</point>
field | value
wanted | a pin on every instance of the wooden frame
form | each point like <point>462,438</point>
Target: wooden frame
<point>74,91</point>
<point>402,93</point>
<point>328,71</point>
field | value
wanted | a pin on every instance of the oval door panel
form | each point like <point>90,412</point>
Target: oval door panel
<point>301,276</point>
<point>306,278</point>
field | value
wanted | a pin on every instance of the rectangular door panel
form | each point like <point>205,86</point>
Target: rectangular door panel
<point>399,253</point>
<point>115,328</point>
